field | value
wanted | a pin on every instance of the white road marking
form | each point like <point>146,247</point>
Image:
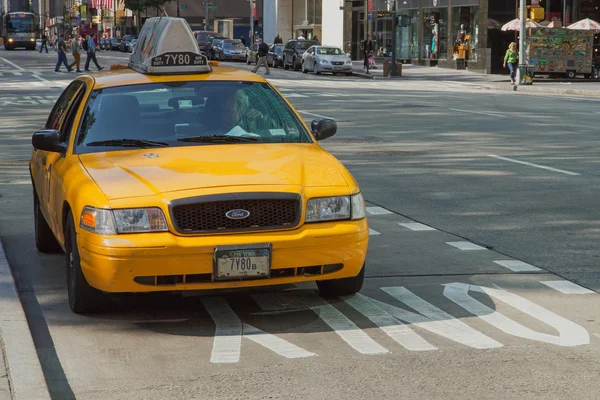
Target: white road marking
<point>517,266</point>
<point>492,114</point>
<point>17,73</point>
<point>435,320</point>
<point>313,114</point>
<point>415,226</point>
<point>378,211</point>
<point>373,232</point>
<point>1,74</point>
<point>393,327</point>
<point>566,287</point>
<point>228,335</point>
<point>466,246</point>
<point>569,333</point>
<point>275,344</point>
<point>23,69</point>
<point>268,302</point>
<point>290,95</point>
<point>345,328</point>
<point>533,165</point>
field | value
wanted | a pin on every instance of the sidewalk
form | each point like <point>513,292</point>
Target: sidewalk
<point>21,376</point>
<point>413,73</point>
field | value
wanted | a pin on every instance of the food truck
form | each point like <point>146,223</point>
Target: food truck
<point>560,52</point>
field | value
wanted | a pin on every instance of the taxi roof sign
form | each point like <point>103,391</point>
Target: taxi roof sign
<point>166,45</point>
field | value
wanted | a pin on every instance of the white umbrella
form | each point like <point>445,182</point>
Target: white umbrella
<point>586,24</point>
<point>515,25</point>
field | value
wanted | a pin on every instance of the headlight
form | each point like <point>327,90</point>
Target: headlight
<point>335,208</point>
<point>323,61</point>
<point>133,220</point>
<point>33,40</point>
<point>10,40</point>
<point>348,61</point>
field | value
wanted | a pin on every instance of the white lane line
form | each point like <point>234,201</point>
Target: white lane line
<point>1,74</point>
<point>562,171</point>
<point>378,211</point>
<point>290,300</point>
<point>517,266</point>
<point>313,114</point>
<point>345,328</point>
<point>23,69</point>
<point>394,328</point>
<point>373,232</point>
<point>466,246</point>
<point>17,73</point>
<point>274,343</point>
<point>290,95</point>
<point>228,336</point>
<point>566,287</point>
<point>415,226</point>
<point>491,114</point>
<point>268,302</point>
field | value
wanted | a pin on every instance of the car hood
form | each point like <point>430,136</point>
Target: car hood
<point>147,172</point>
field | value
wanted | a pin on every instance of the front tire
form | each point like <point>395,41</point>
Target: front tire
<point>342,287</point>
<point>45,241</point>
<point>82,297</point>
<point>316,69</point>
<point>247,60</point>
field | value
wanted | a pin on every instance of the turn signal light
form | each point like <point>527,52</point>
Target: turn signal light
<point>118,66</point>
<point>88,218</point>
<point>213,63</point>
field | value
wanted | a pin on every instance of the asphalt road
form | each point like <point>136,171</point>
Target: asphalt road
<point>482,274</point>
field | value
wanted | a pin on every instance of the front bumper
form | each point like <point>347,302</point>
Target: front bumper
<point>233,57</point>
<point>116,263</point>
<point>21,43</point>
<point>335,68</point>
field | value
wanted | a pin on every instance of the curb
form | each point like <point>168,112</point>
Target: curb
<point>27,381</point>
<point>542,90</point>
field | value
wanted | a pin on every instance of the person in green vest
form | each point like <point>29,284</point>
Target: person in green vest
<point>511,58</point>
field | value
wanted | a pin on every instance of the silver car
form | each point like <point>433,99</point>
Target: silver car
<point>326,59</point>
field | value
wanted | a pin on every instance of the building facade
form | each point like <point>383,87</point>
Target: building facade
<point>433,33</point>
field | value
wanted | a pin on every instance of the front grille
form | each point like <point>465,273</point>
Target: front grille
<point>337,62</point>
<point>207,214</point>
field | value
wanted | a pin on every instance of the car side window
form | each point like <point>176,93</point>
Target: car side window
<point>59,110</point>
<point>67,127</point>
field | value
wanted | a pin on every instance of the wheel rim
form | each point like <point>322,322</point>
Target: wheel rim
<point>315,70</point>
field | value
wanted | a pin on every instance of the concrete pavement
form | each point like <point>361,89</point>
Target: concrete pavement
<point>465,293</point>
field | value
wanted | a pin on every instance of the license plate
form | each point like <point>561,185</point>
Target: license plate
<point>337,68</point>
<point>242,262</point>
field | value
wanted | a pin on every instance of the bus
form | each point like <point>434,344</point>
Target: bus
<point>19,29</point>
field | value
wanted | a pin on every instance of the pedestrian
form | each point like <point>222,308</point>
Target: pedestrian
<point>367,48</point>
<point>44,44</point>
<point>55,43</point>
<point>316,39</point>
<point>91,53</point>
<point>510,58</point>
<point>61,48</point>
<point>243,40</point>
<point>263,50</point>
<point>76,55</point>
<point>278,39</point>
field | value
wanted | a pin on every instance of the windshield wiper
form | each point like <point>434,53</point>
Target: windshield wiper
<point>128,143</point>
<point>217,138</point>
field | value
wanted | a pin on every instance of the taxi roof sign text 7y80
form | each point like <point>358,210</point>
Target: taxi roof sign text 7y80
<point>166,45</point>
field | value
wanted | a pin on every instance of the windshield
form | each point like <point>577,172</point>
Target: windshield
<point>278,49</point>
<point>231,45</point>
<point>17,24</point>
<point>330,51</point>
<point>203,36</point>
<point>304,45</point>
<point>186,113</point>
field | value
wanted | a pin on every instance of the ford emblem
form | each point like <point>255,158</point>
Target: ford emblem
<point>237,214</point>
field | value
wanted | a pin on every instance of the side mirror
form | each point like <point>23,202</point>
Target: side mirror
<point>48,140</point>
<point>323,128</point>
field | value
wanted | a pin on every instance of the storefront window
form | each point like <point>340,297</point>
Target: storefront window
<point>435,33</point>
<point>466,31</point>
<point>314,11</point>
<point>382,35</point>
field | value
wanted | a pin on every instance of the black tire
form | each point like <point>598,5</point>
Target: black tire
<point>285,66</point>
<point>82,297</point>
<point>316,70</point>
<point>571,74</point>
<point>342,287</point>
<point>348,73</point>
<point>295,64</point>
<point>45,241</point>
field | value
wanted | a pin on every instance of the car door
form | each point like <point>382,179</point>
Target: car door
<point>45,161</point>
<point>310,57</point>
<point>287,52</point>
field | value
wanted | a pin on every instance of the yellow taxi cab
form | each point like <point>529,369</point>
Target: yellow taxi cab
<point>172,174</point>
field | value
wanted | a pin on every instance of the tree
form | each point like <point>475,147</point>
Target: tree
<point>139,6</point>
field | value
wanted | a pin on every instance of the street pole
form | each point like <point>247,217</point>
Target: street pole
<point>177,8</point>
<point>206,24</point>
<point>394,66</point>
<point>522,33</point>
<point>251,22</point>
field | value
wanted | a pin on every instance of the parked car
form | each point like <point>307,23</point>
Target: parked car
<point>205,41</point>
<point>130,45</point>
<point>215,48</point>
<point>126,39</point>
<point>326,59</point>
<point>232,49</point>
<point>293,52</point>
<point>275,56</point>
<point>104,43</point>
<point>114,44</point>
<point>252,54</point>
